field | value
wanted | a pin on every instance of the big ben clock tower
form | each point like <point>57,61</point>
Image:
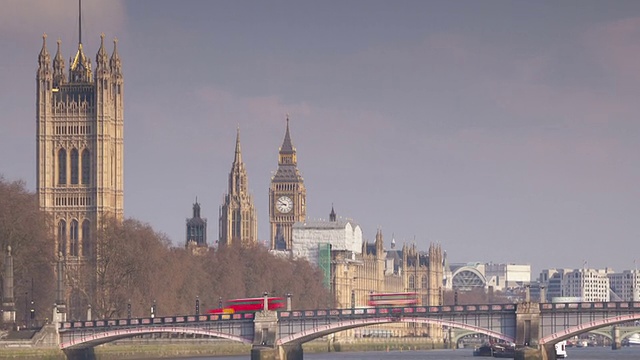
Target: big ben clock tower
<point>287,196</point>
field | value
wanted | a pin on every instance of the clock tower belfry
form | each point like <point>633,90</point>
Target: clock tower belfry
<point>287,196</point>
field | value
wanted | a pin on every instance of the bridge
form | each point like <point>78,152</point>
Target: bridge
<point>533,327</point>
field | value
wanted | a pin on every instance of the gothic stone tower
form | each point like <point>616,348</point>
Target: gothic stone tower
<point>287,196</point>
<point>80,144</point>
<point>238,220</point>
<point>80,152</point>
<point>196,240</point>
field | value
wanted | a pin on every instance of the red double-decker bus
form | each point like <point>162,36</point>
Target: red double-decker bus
<point>394,299</point>
<point>249,305</point>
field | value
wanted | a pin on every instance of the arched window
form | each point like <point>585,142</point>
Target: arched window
<point>425,282</point>
<point>73,238</point>
<point>412,282</point>
<point>86,167</point>
<point>86,238</point>
<point>74,166</point>
<point>62,166</point>
<point>62,237</point>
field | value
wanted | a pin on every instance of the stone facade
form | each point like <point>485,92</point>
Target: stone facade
<point>355,276</point>
<point>287,196</point>
<point>238,219</point>
<point>80,150</point>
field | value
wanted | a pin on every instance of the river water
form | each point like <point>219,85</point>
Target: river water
<point>588,353</point>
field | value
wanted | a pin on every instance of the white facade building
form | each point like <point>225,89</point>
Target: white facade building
<point>590,285</point>
<point>340,234</point>
<point>625,285</point>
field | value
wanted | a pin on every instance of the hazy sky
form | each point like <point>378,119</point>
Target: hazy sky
<point>507,131</point>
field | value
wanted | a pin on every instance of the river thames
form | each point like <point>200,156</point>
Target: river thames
<point>589,353</point>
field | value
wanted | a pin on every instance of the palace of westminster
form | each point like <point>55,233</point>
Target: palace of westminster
<point>80,154</point>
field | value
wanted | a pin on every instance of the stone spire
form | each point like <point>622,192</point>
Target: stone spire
<point>114,62</point>
<point>379,242</point>
<point>238,176</point>
<point>58,68</point>
<point>44,59</point>
<point>238,220</point>
<point>238,156</point>
<point>332,215</point>
<point>102,60</point>
<point>287,147</point>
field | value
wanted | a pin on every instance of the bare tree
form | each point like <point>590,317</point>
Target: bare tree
<point>24,227</point>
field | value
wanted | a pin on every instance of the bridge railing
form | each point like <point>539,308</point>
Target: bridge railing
<point>604,306</point>
<point>397,311</point>
<point>65,326</point>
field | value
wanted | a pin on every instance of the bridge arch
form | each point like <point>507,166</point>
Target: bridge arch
<point>98,338</point>
<point>586,327</point>
<point>322,330</point>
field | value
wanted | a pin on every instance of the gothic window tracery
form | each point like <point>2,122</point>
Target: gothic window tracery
<point>74,166</point>
<point>86,238</point>
<point>73,238</point>
<point>86,166</point>
<point>62,237</point>
<point>62,166</point>
<point>412,282</point>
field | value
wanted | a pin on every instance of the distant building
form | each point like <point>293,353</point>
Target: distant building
<point>238,219</point>
<point>589,285</point>
<point>625,285</point>
<point>339,234</point>
<point>498,277</point>
<point>196,238</point>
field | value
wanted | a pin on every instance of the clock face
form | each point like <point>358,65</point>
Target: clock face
<point>284,204</point>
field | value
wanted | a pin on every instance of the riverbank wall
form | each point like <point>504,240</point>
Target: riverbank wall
<point>140,349</point>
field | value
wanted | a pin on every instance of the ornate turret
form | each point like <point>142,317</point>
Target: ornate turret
<point>332,215</point>
<point>80,67</point>
<point>114,62</point>
<point>196,231</point>
<point>44,60</point>
<point>58,68</point>
<point>379,242</point>
<point>102,60</point>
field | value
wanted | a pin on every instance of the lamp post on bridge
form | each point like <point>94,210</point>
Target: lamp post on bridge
<point>197,305</point>
<point>153,309</point>
<point>129,310</point>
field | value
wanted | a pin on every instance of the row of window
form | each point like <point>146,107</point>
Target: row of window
<point>412,282</point>
<point>74,169</point>
<point>286,187</point>
<point>73,130</point>
<point>71,242</point>
<point>73,201</point>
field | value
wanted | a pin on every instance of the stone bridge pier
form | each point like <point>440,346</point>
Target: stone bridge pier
<point>616,342</point>
<point>80,354</point>
<point>264,341</point>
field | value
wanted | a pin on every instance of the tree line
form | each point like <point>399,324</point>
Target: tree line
<point>135,267</point>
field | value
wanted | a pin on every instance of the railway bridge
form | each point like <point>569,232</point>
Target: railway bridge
<point>533,327</point>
